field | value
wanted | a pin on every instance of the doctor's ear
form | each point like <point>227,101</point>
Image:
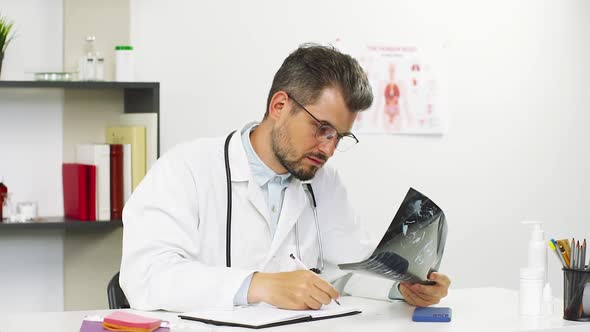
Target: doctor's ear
<point>278,105</point>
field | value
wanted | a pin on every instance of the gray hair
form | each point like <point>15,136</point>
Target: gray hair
<point>311,68</point>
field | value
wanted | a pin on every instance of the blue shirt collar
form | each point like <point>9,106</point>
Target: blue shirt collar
<point>262,173</point>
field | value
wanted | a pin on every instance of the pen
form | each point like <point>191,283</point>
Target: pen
<point>303,267</point>
<point>565,251</point>
<point>555,248</point>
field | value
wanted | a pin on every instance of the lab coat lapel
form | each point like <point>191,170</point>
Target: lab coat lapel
<point>255,195</point>
<point>294,203</point>
<point>241,172</point>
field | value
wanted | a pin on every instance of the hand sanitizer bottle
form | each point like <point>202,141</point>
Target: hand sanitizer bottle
<point>537,247</point>
<point>533,278</point>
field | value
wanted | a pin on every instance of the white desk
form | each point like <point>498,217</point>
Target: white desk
<point>476,309</point>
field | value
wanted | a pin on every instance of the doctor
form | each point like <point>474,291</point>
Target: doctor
<point>187,246</point>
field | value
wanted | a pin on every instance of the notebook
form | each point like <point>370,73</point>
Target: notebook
<point>264,315</point>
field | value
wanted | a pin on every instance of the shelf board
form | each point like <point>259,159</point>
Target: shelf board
<point>79,84</point>
<point>139,97</point>
<point>63,223</point>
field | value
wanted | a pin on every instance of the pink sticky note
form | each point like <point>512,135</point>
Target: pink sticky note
<point>126,319</point>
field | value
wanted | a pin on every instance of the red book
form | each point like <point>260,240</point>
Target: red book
<point>92,191</point>
<point>79,188</point>
<point>116,181</point>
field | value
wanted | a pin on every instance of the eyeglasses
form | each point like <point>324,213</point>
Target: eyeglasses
<point>326,132</point>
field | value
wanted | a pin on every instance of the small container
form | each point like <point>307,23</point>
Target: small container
<point>88,61</point>
<point>54,76</point>
<point>90,70</point>
<point>547,300</point>
<point>99,68</point>
<point>124,64</point>
<point>27,210</point>
<point>8,208</point>
<point>532,281</point>
<point>576,294</point>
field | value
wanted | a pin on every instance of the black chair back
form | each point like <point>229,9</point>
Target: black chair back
<point>117,299</point>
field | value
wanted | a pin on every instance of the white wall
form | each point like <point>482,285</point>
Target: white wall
<point>517,80</point>
<point>30,157</point>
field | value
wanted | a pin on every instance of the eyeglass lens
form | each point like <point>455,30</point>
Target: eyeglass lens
<point>327,133</point>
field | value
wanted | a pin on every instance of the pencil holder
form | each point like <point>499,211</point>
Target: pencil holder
<point>576,294</point>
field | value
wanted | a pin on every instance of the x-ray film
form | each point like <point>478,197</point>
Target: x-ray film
<point>413,244</point>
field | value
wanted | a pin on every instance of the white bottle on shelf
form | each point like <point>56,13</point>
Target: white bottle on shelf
<point>99,67</point>
<point>87,63</point>
<point>124,63</point>
<point>89,70</point>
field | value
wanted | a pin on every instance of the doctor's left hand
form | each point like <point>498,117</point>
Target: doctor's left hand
<point>296,290</point>
<point>425,295</point>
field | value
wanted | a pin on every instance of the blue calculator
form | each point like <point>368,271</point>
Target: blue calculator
<point>432,314</point>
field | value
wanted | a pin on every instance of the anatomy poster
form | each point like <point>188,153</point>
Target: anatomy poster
<point>407,86</point>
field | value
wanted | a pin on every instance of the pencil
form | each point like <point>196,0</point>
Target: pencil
<point>584,255</point>
<point>574,255</point>
<point>580,262</point>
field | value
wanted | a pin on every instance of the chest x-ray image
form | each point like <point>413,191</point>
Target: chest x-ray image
<point>413,244</point>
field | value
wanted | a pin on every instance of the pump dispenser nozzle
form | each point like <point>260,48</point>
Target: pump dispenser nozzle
<point>538,234</point>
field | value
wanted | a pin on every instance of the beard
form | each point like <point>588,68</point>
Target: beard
<point>285,153</point>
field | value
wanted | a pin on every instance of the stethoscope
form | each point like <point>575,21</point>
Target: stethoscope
<point>307,185</point>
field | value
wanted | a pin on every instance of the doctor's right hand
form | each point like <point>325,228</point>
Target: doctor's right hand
<point>297,290</point>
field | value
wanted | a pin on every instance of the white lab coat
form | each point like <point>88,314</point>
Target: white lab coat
<point>174,240</point>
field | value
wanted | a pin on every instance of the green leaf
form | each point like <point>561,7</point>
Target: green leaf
<point>6,27</point>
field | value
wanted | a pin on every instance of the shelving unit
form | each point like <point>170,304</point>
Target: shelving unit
<point>138,97</point>
<point>63,223</point>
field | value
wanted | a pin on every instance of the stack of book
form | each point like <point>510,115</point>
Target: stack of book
<point>104,175</point>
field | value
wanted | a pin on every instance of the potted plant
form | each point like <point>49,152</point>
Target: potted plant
<point>5,36</point>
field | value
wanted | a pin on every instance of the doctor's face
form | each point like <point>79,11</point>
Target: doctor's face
<point>294,137</point>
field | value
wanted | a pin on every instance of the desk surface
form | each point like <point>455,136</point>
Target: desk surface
<point>475,309</point>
